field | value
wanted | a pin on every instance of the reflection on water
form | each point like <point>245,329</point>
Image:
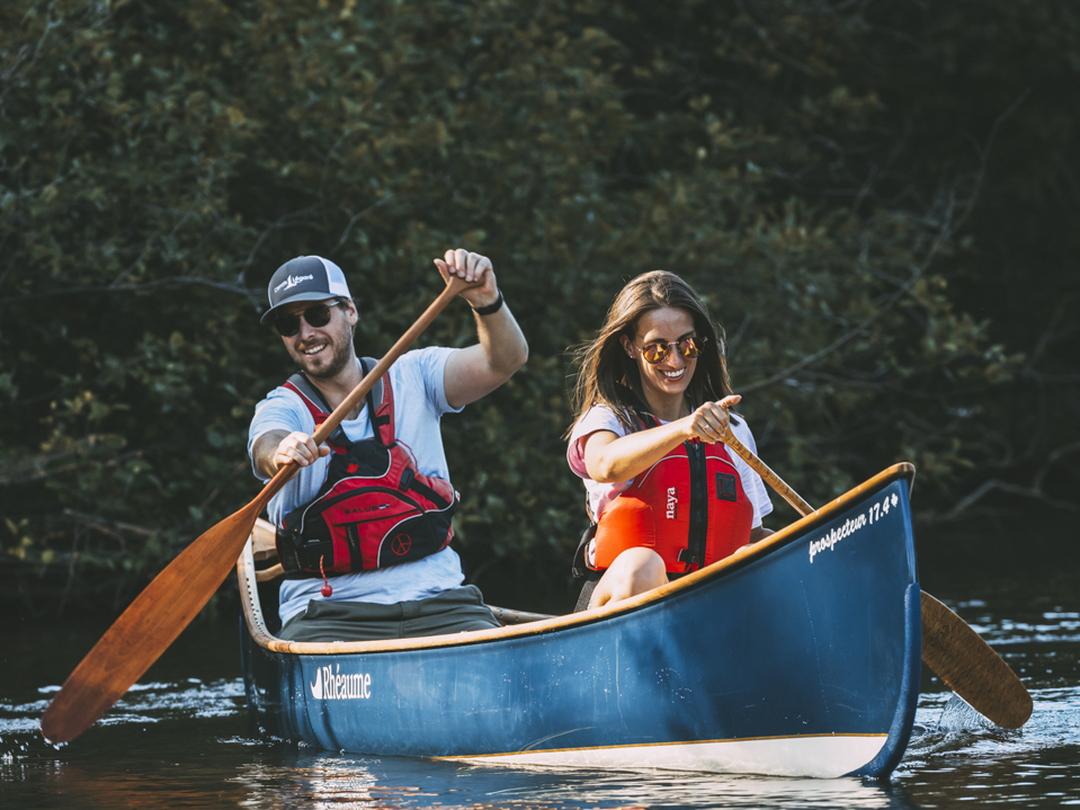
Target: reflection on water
<point>181,739</point>
<point>335,781</point>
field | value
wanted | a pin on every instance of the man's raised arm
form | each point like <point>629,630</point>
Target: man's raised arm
<point>478,370</point>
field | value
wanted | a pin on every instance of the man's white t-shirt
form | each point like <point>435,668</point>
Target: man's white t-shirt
<point>419,404</point>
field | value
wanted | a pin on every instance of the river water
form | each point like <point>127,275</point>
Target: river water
<point>180,738</point>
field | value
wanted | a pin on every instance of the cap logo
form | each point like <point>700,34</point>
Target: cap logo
<point>291,282</point>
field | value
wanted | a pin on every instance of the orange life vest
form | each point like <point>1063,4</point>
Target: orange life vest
<point>689,507</point>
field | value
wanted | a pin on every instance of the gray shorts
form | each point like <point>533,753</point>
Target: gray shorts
<point>453,611</point>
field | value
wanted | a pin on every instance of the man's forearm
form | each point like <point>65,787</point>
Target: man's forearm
<point>503,342</point>
<point>262,452</point>
<point>477,370</point>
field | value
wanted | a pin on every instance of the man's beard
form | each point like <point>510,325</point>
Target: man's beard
<point>341,358</point>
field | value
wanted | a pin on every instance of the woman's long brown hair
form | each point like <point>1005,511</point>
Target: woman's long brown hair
<point>609,377</point>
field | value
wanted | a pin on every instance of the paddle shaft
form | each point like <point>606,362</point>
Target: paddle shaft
<point>175,596</point>
<point>951,648</point>
<point>767,475</point>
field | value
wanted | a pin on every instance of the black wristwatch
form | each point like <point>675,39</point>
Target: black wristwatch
<point>490,309</point>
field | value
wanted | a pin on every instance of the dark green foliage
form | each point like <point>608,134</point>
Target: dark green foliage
<point>878,201</point>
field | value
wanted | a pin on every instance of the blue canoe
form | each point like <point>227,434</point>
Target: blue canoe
<point>798,656</point>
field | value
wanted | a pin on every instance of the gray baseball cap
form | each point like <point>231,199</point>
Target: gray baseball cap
<point>305,278</point>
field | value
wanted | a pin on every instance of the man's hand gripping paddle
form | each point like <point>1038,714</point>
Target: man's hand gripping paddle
<point>168,604</point>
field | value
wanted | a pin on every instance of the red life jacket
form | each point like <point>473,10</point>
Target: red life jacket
<point>689,507</point>
<point>375,509</point>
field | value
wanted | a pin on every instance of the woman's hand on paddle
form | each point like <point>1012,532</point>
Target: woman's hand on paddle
<point>300,449</point>
<point>472,268</point>
<point>611,459</point>
<point>711,421</point>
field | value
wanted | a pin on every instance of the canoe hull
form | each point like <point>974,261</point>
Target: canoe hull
<point>801,658</point>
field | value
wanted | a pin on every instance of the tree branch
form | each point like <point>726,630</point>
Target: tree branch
<point>1035,490</point>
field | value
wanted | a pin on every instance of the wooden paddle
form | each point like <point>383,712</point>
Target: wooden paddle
<point>168,604</point>
<point>950,647</point>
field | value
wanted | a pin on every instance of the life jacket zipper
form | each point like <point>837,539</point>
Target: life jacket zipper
<point>699,506</point>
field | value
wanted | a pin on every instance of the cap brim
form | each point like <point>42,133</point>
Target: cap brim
<point>315,295</point>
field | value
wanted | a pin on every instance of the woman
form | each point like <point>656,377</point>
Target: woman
<point>652,400</point>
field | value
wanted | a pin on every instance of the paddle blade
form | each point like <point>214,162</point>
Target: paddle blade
<point>968,666</point>
<point>149,625</point>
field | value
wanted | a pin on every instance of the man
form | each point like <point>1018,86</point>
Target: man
<point>312,309</point>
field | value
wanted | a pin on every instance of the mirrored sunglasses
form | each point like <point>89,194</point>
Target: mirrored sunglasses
<point>657,351</point>
<point>288,323</point>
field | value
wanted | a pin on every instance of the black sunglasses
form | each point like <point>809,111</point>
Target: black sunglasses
<point>288,323</point>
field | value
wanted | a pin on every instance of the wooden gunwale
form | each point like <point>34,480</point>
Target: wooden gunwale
<point>257,627</point>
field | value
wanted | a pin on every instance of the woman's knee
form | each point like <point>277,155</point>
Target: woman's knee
<point>634,571</point>
<point>643,567</point>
